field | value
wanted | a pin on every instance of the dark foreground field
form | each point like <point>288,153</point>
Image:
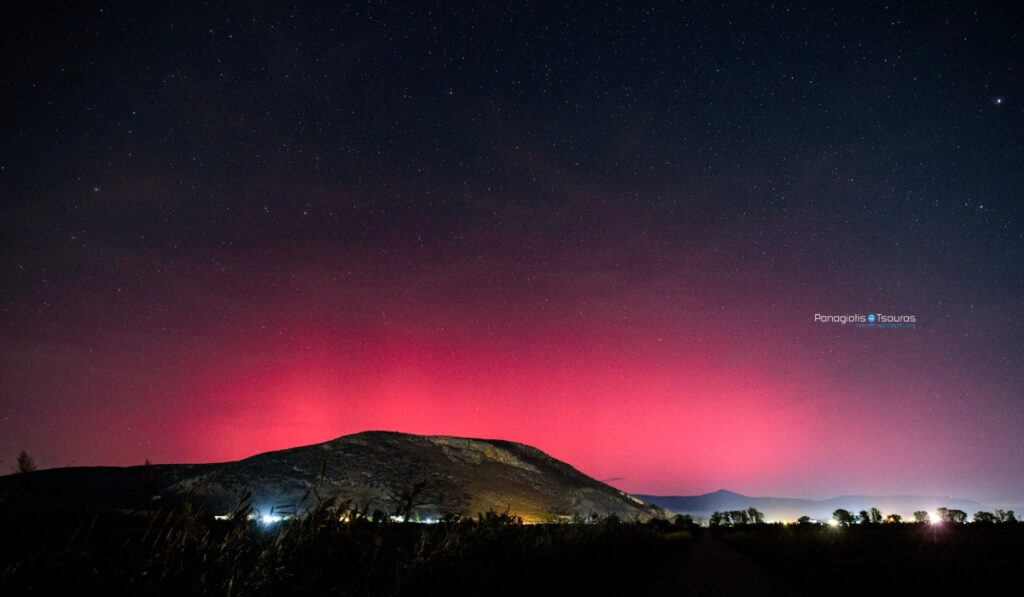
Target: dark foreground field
<point>180,553</point>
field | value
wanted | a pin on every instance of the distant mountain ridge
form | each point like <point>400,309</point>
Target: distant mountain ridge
<point>783,509</point>
<point>374,470</point>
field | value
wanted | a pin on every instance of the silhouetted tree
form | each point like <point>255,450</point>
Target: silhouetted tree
<point>25,463</point>
<point>894,518</point>
<point>683,521</point>
<point>844,517</point>
<point>1006,516</point>
<point>735,517</point>
<point>864,517</point>
<point>804,520</point>
<point>495,519</point>
<point>981,516</point>
<point>147,479</point>
<point>954,516</point>
<point>876,515</point>
<point>920,516</point>
<point>407,499</point>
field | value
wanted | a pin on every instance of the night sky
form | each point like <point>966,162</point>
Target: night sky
<point>601,231</point>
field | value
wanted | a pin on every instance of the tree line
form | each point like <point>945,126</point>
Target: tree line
<point>735,517</point>
<point>942,515</point>
<point>842,517</point>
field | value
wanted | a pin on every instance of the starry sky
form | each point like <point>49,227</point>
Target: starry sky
<point>601,230</point>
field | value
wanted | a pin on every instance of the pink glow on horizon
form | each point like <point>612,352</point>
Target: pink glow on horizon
<point>661,402</point>
<point>608,411</point>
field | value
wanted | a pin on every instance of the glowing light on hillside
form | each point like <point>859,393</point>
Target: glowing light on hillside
<point>270,518</point>
<point>832,522</point>
<point>934,518</point>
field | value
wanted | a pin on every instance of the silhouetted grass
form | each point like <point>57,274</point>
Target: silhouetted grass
<point>188,552</point>
<point>336,549</point>
<point>911,559</point>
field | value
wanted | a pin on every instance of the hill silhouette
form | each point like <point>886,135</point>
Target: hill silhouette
<point>426,477</point>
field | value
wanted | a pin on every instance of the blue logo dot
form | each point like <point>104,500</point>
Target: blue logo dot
<point>871,318</point>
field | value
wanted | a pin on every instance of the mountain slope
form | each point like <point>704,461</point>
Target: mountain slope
<point>444,475</point>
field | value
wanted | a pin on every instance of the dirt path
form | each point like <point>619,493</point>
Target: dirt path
<point>710,567</point>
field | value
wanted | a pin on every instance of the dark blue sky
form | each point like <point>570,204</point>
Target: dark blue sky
<point>453,219</point>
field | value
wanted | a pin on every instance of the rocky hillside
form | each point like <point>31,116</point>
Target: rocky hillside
<point>376,470</point>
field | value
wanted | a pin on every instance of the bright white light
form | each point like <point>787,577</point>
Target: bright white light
<point>832,522</point>
<point>933,517</point>
<point>270,518</point>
